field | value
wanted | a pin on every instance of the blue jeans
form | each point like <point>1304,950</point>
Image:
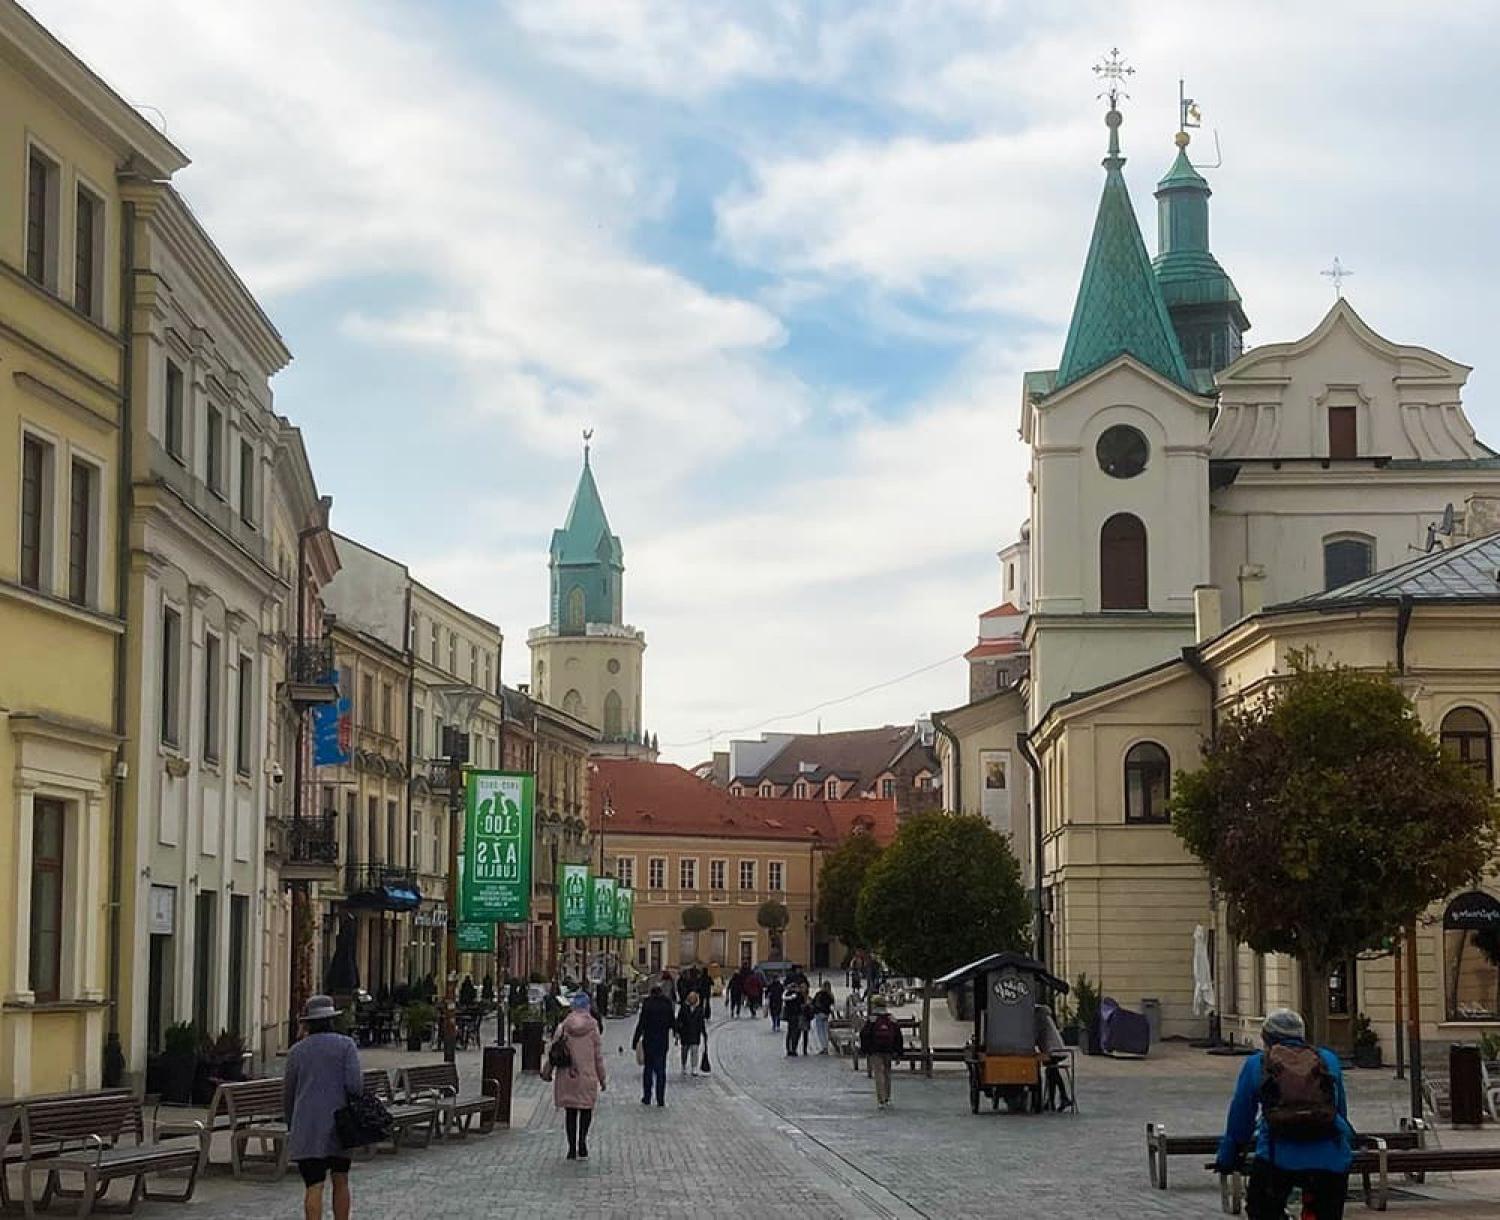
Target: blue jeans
<point>655,1071</point>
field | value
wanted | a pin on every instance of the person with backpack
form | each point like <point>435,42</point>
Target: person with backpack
<point>1289,1108</point>
<point>880,1041</point>
<point>575,1066</point>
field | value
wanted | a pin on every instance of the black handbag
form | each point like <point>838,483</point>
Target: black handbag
<point>558,1054</point>
<point>703,1066</point>
<point>362,1120</point>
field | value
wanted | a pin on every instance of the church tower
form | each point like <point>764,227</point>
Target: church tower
<point>586,660</point>
<point>1201,299</point>
<point>1119,471</point>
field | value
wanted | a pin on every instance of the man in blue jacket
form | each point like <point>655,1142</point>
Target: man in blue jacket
<point>1299,1139</point>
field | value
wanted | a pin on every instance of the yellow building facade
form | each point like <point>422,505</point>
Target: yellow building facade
<point>66,141</point>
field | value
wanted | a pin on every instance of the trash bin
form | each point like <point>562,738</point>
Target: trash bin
<point>1151,1010</point>
<point>1465,1084</point>
<point>532,1037</point>
<point>499,1074</point>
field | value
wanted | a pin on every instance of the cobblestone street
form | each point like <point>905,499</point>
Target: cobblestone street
<point>774,1136</point>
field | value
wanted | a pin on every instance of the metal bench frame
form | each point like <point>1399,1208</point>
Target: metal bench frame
<point>438,1083</point>
<point>406,1117</point>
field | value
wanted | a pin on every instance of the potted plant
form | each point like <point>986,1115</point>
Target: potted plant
<point>420,1019</point>
<point>178,1062</point>
<point>1087,997</point>
<point>1067,1023</point>
<point>1366,1043</point>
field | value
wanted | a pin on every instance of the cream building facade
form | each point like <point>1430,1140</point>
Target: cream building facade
<point>69,142</point>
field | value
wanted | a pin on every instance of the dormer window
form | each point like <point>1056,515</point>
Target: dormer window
<point>767,790</point>
<point>799,790</point>
<point>831,789</point>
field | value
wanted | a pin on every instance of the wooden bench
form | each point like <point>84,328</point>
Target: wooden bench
<point>254,1110</point>
<point>438,1082</point>
<point>1376,1164</point>
<point>406,1117</point>
<point>1160,1145</point>
<point>1366,1161</point>
<point>217,1119</point>
<point>83,1136</point>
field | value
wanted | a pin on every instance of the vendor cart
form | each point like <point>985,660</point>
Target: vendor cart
<point>1005,1061</point>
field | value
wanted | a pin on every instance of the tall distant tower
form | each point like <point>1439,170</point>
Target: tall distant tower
<point>1204,304</point>
<point>587,660</point>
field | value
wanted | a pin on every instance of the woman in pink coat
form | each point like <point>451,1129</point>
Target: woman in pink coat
<point>576,1084</point>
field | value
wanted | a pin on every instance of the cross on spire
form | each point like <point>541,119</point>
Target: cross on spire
<point>1113,71</point>
<point>1338,273</point>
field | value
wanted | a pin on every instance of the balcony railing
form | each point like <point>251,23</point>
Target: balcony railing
<point>307,848</point>
<point>310,674</point>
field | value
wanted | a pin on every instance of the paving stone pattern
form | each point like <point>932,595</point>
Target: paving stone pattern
<point>769,1136</point>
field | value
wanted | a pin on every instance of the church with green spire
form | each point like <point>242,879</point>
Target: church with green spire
<point>586,660</point>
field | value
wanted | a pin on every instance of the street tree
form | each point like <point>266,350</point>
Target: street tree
<point>697,920</point>
<point>840,880</point>
<point>947,891</point>
<point>773,917</point>
<point>1329,819</point>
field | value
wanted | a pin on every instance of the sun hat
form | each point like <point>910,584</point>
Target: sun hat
<point>319,1008</point>
<point>1284,1023</point>
<point>580,999</point>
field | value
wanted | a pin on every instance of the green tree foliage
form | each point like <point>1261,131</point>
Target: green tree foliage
<point>947,891</point>
<point>1329,819</point>
<point>773,916</point>
<point>840,881</point>
<point>697,919</point>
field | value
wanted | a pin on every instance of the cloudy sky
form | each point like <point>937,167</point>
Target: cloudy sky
<point>789,260</point>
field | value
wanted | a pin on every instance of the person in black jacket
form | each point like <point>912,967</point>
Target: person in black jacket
<point>792,1014</point>
<point>690,1025</point>
<point>653,1033</point>
<point>775,1000</point>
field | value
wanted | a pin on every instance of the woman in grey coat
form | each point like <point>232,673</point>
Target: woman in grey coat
<point>322,1071</point>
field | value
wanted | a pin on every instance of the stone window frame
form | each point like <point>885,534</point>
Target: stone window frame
<point>1151,817</point>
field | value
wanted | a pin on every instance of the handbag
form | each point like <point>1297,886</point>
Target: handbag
<point>703,1066</point>
<point>558,1054</point>
<point>362,1120</point>
<point>640,1054</point>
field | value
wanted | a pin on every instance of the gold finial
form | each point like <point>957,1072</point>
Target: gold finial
<point>1181,139</point>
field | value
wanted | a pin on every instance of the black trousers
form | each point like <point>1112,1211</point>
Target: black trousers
<point>578,1128</point>
<point>1270,1187</point>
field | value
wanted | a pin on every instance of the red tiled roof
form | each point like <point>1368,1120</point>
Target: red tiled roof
<point>663,799</point>
<point>1004,608</point>
<point>995,648</point>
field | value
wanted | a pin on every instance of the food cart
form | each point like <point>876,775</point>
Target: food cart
<point>1004,1061</point>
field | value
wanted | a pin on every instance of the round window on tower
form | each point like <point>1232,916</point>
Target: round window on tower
<point>1122,451</point>
<point>614,666</point>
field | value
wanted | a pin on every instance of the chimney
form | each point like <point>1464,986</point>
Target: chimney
<point>1208,612</point>
<point>1252,589</point>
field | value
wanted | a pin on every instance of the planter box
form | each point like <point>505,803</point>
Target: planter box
<point>1367,1056</point>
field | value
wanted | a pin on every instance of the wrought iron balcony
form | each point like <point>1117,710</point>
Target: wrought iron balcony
<point>310,677</point>
<point>382,887</point>
<point>307,848</point>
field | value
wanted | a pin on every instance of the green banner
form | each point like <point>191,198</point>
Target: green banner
<point>476,937</point>
<point>625,912</point>
<point>497,848</point>
<point>573,886</point>
<point>602,906</point>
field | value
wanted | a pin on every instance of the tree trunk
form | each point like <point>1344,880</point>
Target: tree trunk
<point>927,1026</point>
<point>1313,979</point>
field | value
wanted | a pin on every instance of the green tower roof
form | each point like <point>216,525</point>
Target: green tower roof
<point>585,536</point>
<point>1185,268</point>
<point>587,563</point>
<point>1119,310</point>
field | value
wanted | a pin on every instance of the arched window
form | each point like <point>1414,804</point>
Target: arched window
<point>1148,778</point>
<point>1465,735</point>
<point>1471,957</point>
<point>573,704</point>
<point>1347,559</point>
<point>1122,563</point>
<point>612,728</point>
<point>574,613</point>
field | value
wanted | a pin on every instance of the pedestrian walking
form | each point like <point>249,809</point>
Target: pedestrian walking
<point>1289,1106</point>
<point>690,1026</point>
<point>552,1007</point>
<point>880,1041</point>
<point>822,1010</point>
<point>651,1041</point>
<point>805,1025</point>
<point>322,1070</point>
<point>775,1000</point>
<point>793,1012</point>
<point>575,1066</point>
<point>754,990</point>
<point>736,990</point>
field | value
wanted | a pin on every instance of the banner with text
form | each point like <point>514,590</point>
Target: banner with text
<point>625,912</point>
<point>497,848</point>
<point>602,906</point>
<point>476,937</point>
<point>573,885</point>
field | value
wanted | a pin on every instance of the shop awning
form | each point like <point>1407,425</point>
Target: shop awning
<point>1474,911</point>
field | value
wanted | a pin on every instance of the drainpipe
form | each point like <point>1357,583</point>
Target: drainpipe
<point>1403,625</point>
<point>113,1070</point>
<point>1028,752</point>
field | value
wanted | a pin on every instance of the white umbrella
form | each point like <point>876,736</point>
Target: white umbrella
<point>1203,974</point>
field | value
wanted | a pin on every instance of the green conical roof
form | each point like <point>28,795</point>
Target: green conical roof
<point>1119,310</point>
<point>1182,174</point>
<point>585,536</point>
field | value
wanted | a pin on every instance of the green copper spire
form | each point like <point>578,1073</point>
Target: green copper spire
<point>1204,305</point>
<point>1119,310</point>
<point>587,562</point>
